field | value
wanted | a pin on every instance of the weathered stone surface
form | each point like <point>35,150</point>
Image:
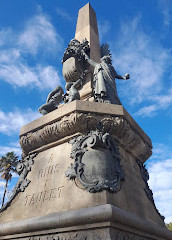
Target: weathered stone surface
<point>49,190</point>
<point>80,117</point>
<point>87,28</point>
<point>50,206</point>
<point>104,222</point>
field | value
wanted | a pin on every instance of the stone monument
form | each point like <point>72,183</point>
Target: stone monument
<point>82,173</point>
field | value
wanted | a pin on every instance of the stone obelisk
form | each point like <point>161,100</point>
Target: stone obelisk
<point>82,175</point>
<point>86,28</point>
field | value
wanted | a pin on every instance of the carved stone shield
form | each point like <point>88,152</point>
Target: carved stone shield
<point>97,162</point>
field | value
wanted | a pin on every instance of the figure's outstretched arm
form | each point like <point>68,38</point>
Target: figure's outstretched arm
<point>118,76</point>
<point>91,62</point>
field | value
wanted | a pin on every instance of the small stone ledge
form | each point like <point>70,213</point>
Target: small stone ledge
<point>99,216</point>
<point>81,117</point>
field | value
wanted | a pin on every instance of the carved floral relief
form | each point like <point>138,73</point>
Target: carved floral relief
<point>76,122</point>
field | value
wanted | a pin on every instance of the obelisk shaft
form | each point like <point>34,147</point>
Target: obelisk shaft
<point>87,28</point>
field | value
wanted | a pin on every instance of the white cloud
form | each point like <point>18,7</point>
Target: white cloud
<point>148,63</point>
<point>167,16</point>
<point>39,34</point>
<point>160,182</point>
<point>48,77</point>
<point>11,122</point>
<point>161,173</point>
<point>63,14</point>
<point>38,38</point>
<point>16,144</point>
<point>163,201</point>
<point>5,36</point>
<point>9,56</point>
<point>144,58</point>
<point>161,151</point>
<point>104,28</point>
<point>22,75</point>
<point>147,111</point>
<point>2,184</point>
<point>11,147</point>
<point>5,149</point>
<point>166,9</point>
<point>18,75</point>
<point>161,103</point>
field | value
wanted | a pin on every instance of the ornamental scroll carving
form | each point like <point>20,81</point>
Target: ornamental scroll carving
<point>23,168</point>
<point>76,122</point>
<point>96,162</point>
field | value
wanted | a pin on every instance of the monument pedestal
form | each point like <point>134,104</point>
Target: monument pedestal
<point>104,222</point>
<point>82,176</point>
<point>53,207</point>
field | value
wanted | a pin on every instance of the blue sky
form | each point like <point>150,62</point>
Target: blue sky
<point>33,36</point>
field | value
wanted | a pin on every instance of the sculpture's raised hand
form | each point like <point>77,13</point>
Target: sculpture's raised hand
<point>127,76</point>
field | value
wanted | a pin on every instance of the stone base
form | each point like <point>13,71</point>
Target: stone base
<point>104,222</point>
<point>49,206</point>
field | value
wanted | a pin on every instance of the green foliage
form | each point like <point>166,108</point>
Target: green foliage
<point>8,164</point>
<point>169,226</point>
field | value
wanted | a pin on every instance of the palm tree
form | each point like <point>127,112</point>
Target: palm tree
<point>8,164</point>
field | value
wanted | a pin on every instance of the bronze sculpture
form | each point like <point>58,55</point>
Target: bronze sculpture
<point>76,62</point>
<point>53,100</point>
<point>104,86</point>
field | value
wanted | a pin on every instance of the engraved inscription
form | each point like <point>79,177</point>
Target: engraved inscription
<point>43,173</point>
<point>46,182</point>
<point>43,196</point>
<point>51,158</point>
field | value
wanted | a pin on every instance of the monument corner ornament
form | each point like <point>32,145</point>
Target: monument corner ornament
<point>82,175</point>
